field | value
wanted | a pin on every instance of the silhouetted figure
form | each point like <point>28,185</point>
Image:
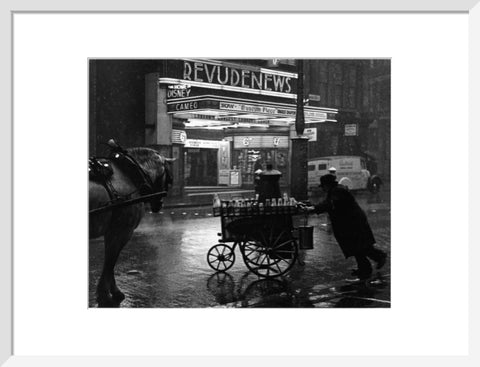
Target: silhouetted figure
<point>269,183</point>
<point>350,226</point>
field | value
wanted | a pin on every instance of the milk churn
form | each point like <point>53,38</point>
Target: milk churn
<point>305,237</point>
<point>269,186</point>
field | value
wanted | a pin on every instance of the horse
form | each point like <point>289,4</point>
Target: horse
<point>118,224</point>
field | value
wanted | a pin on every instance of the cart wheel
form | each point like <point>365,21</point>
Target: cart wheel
<point>220,257</point>
<point>272,256</point>
<point>252,251</point>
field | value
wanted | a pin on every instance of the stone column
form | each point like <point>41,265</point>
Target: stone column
<point>298,170</point>
<point>299,154</point>
<point>158,124</point>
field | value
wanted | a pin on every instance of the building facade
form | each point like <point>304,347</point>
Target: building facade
<point>224,119</point>
<point>360,90</point>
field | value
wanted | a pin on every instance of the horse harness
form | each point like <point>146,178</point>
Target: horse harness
<point>100,170</point>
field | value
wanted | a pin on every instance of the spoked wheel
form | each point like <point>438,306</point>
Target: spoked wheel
<point>271,255</point>
<point>252,251</point>
<point>220,257</point>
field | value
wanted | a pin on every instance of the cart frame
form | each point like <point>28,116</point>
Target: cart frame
<point>264,235</point>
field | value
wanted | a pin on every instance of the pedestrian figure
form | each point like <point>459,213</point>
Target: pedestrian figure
<point>350,226</point>
<point>257,170</point>
<point>332,171</point>
<point>256,181</point>
<point>258,165</point>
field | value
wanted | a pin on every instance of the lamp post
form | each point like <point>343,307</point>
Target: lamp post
<point>300,115</point>
<point>299,157</point>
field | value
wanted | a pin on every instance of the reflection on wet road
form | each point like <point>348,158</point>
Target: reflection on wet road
<point>165,265</point>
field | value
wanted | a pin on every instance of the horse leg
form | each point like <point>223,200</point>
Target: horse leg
<point>107,290</point>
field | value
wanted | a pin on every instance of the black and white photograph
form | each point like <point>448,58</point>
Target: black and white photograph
<point>285,184</point>
<point>239,183</point>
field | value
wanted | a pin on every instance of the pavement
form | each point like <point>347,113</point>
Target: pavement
<point>345,293</point>
<point>167,255</point>
<point>203,196</point>
<point>348,293</point>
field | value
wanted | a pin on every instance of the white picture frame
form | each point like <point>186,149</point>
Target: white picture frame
<point>7,249</point>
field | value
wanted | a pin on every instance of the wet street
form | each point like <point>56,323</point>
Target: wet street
<point>165,265</point>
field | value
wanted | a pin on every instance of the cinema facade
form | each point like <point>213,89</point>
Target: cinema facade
<point>222,120</point>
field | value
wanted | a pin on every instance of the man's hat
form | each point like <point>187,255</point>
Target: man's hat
<point>327,179</point>
<point>332,169</point>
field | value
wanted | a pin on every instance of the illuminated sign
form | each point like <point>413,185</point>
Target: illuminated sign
<point>351,130</point>
<point>202,71</point>
<point>310,133</point>
<point>179,136</point>
<point>184,106</point>
<point>260,141</point>
<point>269,110</point>
<point>207,144</point>
<point>189,105</point>
<point>315,115</point>
<point>229,76</point>
<point>247,108</point>
<point>210,103</point>
<point>173,92</point>
<point>277,62</point>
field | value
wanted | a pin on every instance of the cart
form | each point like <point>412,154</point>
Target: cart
<point>264,235</point>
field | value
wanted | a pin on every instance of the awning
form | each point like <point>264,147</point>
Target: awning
<point>215,111</point>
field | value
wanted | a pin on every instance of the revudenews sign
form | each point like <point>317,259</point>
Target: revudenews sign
<point>232,75</point>
<point>228,75</point>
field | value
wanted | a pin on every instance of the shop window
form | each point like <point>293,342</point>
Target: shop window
<point>201,168</point>
<point>250,160</point>
<point>281,164</point>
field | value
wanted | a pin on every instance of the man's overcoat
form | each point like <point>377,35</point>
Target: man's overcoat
<point>349,222</point>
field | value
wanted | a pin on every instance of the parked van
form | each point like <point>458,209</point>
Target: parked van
<point>351,171</point>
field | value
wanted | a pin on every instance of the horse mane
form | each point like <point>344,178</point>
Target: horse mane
<point>146,157</point>
<point>149,159</point>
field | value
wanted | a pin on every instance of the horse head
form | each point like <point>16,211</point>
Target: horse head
<point>163,181</point>
<point>159,170</point>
